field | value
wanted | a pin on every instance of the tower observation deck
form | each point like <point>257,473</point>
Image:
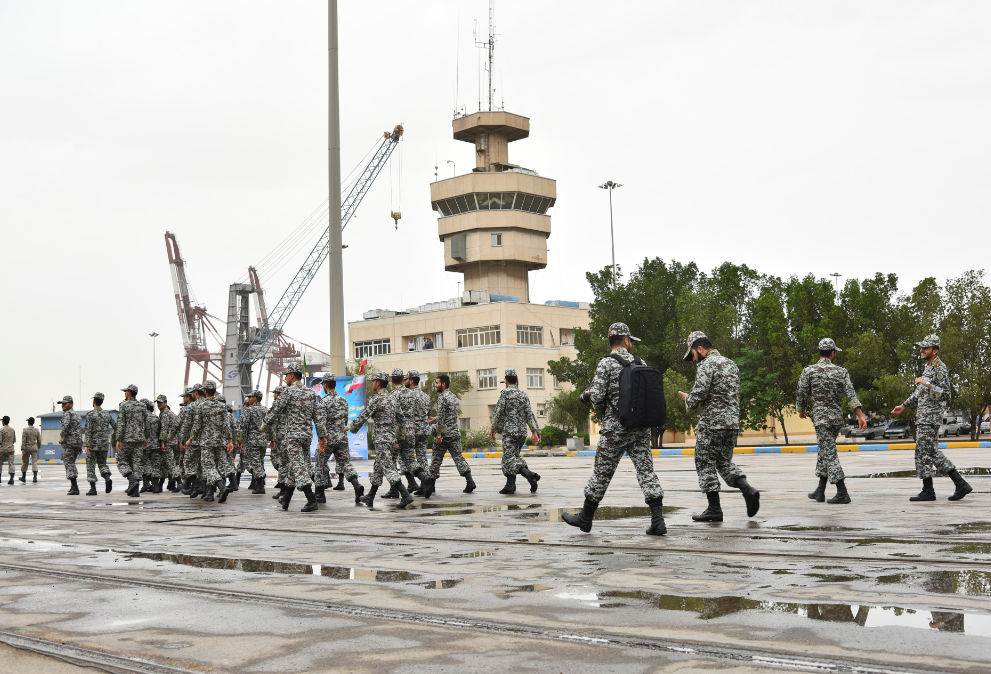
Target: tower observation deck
<point>493,221</point>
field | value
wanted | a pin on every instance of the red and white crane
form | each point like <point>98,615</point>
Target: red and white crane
<point>194,321</point>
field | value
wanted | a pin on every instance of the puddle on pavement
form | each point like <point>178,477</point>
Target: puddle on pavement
<point>968,528</point>
<point>267,566</point>
<point>506,592</point>
<point>601,513</point>
<point>912,473</point>
<point>796,527</point>
<point>442,584</point>
<point>708,608</point>
<point>969,583</point>
<point>474,553</point>
<point>970,548</point>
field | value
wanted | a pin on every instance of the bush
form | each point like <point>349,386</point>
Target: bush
<point>474,439</point>
<point>552,435</point>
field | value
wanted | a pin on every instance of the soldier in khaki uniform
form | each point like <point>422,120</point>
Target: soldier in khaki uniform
<point>7,440</point>
<point>30,444</point>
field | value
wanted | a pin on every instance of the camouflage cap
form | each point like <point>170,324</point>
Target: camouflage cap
<point>330,379</point>
<point>98,396</point>
<point>930,340</point>
<point>161,398</point>
<point>692,338</point>
<point>278,389</point>
<point>66,400</point>
<point>381,376</point>
<point>295,368</point>
<point>197,387</point>
<point>220,399</point>
<point>510,372</point>
<point>148,404</point>
<point>210,385</point>
<point>187,391</point>
<point>132,388</point>
<point>827,344</point>
<point>412,374</point>
<point>230,408</point>
<point>398,372</point>
<point>621,330</point>
<point>256,394</point>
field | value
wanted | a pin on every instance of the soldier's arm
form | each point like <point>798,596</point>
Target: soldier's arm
<point>913,400</point>
<point>532,421</point>
<point>803,391</point>
<point>701,390</point>
<point>851,393</point>
<point>939,387</point>
<point>500,407</point>
<point>599,389</point>
<point>273,413</point>
<point>363,417</point>
<point>195,424</point>
<point>320,419</point>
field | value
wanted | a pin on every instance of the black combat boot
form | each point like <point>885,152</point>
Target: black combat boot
<point>469,483</point>
<point>582,520</point>
<point>820,492</point>
<point>24,477</point>
<point>281,487</point>
<point>74,488</point>
<point>340,483</point>
<point>510,487</point>
<point>92,488</point>
<point>222,491</point>
<point>187,486</point>
<point>927,493</point>
<point>531,477</point>
<point>841,493</point>
<point>237,482</point>
<point>169,485</point>
<point>35,476</point>
<point>311,500</point>
<point>405,498</point>
<point>750,495</point>
<point>11,480</point>
<point>208,492</point>
<point>429,484</point>
<point>259,486</point>
<point>713,513</point>
<point>156,485</point>
<point>657,526</point>
<point>234,482</point>
<point>359,489</point>
<point>321,496</point>
<point>963,488</point>
<point>392,493</point>
<point>133,485</point>
<point>107,486</point>
<point>145,485</point>
<point>369,498</point>
<point>199,487</point>
<point>286,497</point>
<point>412,484</point>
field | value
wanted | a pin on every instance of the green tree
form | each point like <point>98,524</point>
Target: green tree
<point>679,419</point>
<point>966,343</point>
<point>567,411</point>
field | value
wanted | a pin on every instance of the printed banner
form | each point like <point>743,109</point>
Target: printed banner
<point>353,390</point>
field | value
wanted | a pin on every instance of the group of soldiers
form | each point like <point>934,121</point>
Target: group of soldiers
<point>203,450</point>
<point>716,393</point>
<point>30,444</point>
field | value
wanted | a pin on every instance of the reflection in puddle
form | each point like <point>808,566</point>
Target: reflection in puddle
<point>266,566</point>
<point>969,528</point>
<point>475,553</point>
<point>443,584</point>
<point>504,594</point>
<point>709,608</point>
<point>796,527</point>
<point>969,583</point>
<point>601,513</point>
<point>912,473</point>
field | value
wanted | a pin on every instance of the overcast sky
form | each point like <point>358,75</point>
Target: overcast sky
<point>818,137</point>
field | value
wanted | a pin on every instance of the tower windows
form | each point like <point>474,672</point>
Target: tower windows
<point>493,201</point>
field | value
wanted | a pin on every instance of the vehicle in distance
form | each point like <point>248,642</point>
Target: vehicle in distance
<point>899,430</point>
<point>872,431</point>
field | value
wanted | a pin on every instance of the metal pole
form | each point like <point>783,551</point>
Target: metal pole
<point>337,345</point>
<point>154,362</point>
<point>612,239</point>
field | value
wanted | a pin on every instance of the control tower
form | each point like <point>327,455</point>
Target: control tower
<point>493,221</point>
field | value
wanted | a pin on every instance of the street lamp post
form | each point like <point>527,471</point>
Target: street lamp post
<point>610,185</point>
<point>836,284</point>
<point>154,383</point>
<point>451,161</point>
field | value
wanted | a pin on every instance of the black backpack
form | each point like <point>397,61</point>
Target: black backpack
<point>641,395</point>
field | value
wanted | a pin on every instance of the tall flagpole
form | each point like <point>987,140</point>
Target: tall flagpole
<point>337,345</point>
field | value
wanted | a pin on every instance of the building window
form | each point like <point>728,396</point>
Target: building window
<point>483,336</point>
<point>540,411</point>
<point>486,379</point>
<point>497,239</point>
<point>374,347</point>
<point>459,373</point>
<point>529,334</point>
<point>464,424</point>
<point>557,383</point>
<point>535,377</point>
<point>567,337</point>
<point>493,201</point>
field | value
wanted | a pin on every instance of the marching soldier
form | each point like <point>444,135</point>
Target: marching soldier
<point>615,440</point>
<point>825,384</point>
<point>7,440</point>
<point>277,437</point>
<point>447,437</point>
<point>407,408</point>
<point>227,467</point>
<point>167,421</point>
<point>181,437</point>
<point>72,443</point>
<point>30,444</point>
<point>335,409</point>
<point>298,410</point>
<point>717,392</point>
<point>381,409</point>
<point>512,417</point>
<point>421,426</point>
<point>100,425</point>
<point>211,430</point>
<point>151,471</point>
<point>192,467</point>
<point>932,392</point>
<point>253,442</point>
<point>132,438</point>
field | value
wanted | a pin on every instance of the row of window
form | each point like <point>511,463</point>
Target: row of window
<point>488,335</point>
<point>493,201</point>
<point>374,347</point>
<point>488,379</point>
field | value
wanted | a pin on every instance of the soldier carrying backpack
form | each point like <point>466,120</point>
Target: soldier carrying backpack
<point>626,389</point>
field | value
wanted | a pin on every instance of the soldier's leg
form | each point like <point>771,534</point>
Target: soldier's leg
<point>387,465</point>
<point>91,465</point>
<point>607,456</point>
<point>69,457</point>
<point>705,462</point>
<point>828,461</point>
<point>342,458</point>
<point>34,463</point>
<point>437,458</point>
<point>724,441</point>
<point>321,469</point>
<point>421,452</point>
<point>407,450</point>
<point>511,461</point>
<point>208,461</point>
<point>454,449</point>
<point>926,446</point>
<point>643,462</point>
<point>100,458</point>
<point>8,458</point>
<point>299,462</point>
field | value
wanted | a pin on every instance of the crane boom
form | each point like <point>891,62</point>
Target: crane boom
<point>179,285</point>
<point>265,337</point>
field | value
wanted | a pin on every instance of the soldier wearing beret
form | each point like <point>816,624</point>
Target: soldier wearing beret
<point>513,417</point>
<point>824,385</point>
<point>932,392</point>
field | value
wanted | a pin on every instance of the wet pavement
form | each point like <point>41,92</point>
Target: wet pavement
<point>485,582</point>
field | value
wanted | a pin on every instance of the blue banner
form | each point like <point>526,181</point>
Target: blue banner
<point>353,390</point>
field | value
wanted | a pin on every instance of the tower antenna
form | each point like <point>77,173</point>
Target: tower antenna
<point>490,46</point>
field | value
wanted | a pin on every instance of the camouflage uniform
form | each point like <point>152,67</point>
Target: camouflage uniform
<point>100,425</point>
<point>447,429</point>
<point>253,441</point>
<point>406,411</point>
<point>211,430</point>
<point>615,439</point>
<point>381,409</point>
<point>930,401</point>
<point>7,440</point>
<point>226,464</point>
<point>825,384</point>
<point>277,435</point>
<point>717,392</point>
<point>72,442</point>
<point>30,444</point>
<point>191,467</point>
<point>298,410</point>
<point>335,409</point>
<point>132,433</point>
<point>513,417</point>
<point>151,457</point>
<point>421,426</point>
<point>167,422</point>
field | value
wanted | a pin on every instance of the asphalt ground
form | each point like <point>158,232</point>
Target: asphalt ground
<point>484,582</point>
